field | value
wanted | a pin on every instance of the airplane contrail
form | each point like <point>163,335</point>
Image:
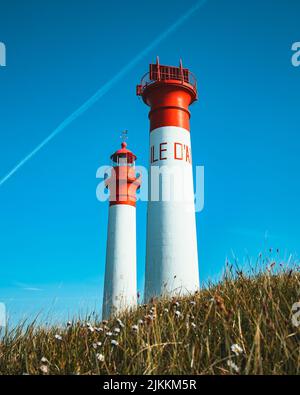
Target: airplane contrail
<point>105,88</point>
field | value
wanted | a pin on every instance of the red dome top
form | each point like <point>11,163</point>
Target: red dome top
<point>123,153</point>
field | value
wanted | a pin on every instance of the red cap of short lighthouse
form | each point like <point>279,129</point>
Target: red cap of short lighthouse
<point>120,289</point>
<point>171,256</point>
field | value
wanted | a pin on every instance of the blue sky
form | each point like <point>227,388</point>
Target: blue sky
<point>245,131</point>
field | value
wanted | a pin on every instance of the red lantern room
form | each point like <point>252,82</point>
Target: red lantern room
<point>123,157</point>
<point>123,182</point>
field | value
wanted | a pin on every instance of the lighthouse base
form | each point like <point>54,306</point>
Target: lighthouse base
<point>171,258</point>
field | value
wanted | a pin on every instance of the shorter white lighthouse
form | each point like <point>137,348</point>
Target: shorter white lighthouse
<point>120,287</point>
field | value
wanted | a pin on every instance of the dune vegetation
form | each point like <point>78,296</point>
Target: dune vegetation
<point>245,324</point>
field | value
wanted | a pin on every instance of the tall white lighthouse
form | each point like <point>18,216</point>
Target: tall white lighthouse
<point>171,256</point>
<point>120,288</point>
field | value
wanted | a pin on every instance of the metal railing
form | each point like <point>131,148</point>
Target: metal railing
<point>165,73</point>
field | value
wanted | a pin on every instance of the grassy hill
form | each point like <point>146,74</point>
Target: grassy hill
<point>242,325</point>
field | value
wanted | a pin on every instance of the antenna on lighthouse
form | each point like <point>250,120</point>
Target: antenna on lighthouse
<point>124,135</point>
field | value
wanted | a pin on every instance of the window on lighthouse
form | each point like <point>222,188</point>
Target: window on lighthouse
<point>123,160</point>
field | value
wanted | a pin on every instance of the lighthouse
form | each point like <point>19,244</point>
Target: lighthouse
<point>171,251</point>
<point>120,288</point>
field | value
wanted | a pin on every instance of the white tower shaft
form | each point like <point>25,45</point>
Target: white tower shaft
<point>120,290</point>
<point>171,257</point>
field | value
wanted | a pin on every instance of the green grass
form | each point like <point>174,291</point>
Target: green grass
<point>190,335</point>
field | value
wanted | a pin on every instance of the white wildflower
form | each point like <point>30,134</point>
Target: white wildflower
<point>44,360</point>
<point>140,322</point>
<point>149,317</point>
<point>166,310</point>
<point>58,337</point>
<point>44,369</point>
<point>96,345</point>
<point>135,328</point>
<point>100,357</point>
<point>193,325</point>
<point>192,302</point>
<point>98,329</point>
<point>236,349</point>
<point>120,323</point>
<point>69,323</point>
<point>177,313</point>
<point>117,330</point>
<point>109,333</point>
<point>114,343</point>
<point>233,366</point>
